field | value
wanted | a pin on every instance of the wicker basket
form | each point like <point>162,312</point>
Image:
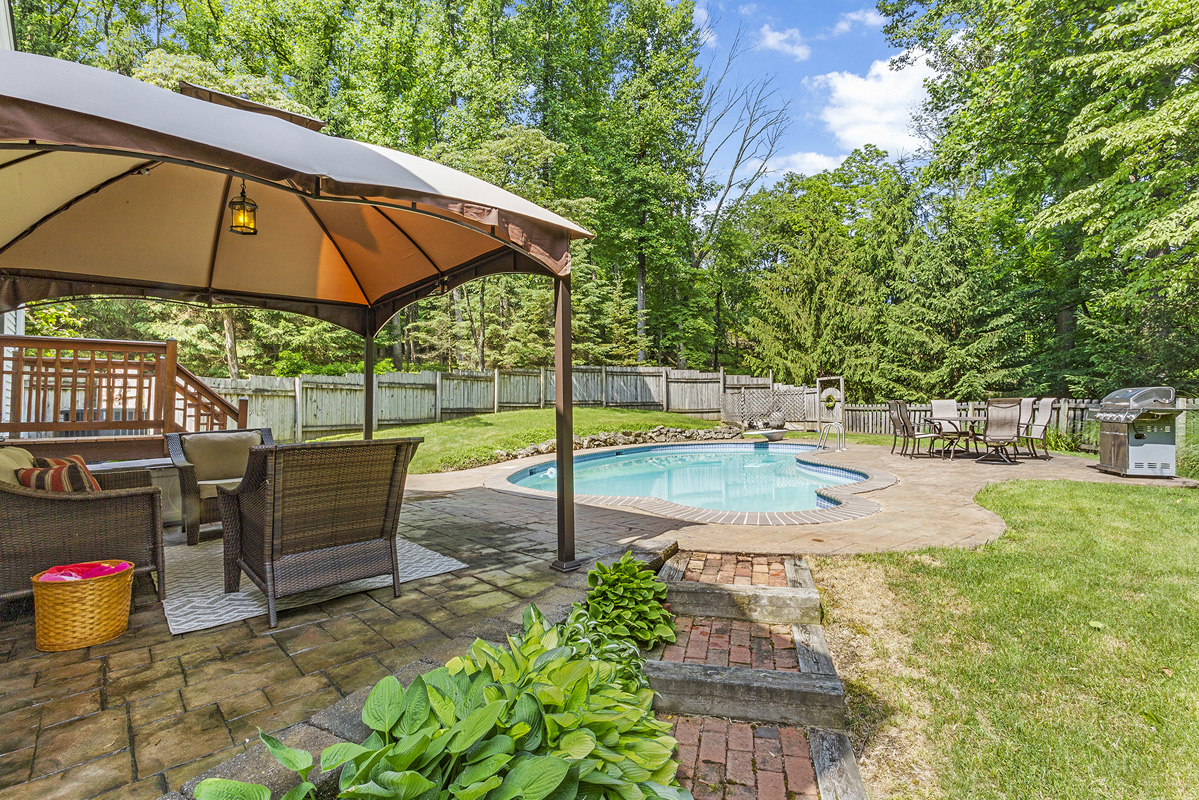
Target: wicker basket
<point>68,615</point>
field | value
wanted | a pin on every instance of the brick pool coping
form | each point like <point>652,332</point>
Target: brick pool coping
<point>849,505</point>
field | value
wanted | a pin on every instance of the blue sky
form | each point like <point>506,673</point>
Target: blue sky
<point>830,60</point>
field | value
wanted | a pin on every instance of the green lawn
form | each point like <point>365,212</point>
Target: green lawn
<point>472,441</point>
<point>1061,661</point>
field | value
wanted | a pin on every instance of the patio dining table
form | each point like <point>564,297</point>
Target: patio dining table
<point>969,421</point>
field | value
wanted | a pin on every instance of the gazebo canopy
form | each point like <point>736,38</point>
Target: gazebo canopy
<point>112,186</point>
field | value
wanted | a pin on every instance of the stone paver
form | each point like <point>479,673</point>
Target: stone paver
<point>143,714</point>
<point>932,504</point>
<point>726,760</point>
<point>148,711</point>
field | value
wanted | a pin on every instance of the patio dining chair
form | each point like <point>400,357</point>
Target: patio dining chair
<point>912,434</point>
<point>944,412</point>
<point>1038,430</point>
<point>308,516</point>
<point>1002,429</point>
<point>1026,410</point>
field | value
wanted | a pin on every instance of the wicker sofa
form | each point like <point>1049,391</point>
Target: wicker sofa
<point>40,529</point>
<point>206,460</point>
<point>307,516</point>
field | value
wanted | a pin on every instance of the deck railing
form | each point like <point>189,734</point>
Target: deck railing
<point>62,387</point>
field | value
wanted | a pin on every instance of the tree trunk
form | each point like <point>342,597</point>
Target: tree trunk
<point>230,344</point>
<point>482,324</point>
<point>716,331</point>
<point>641,311</point>
<point>398,356</point>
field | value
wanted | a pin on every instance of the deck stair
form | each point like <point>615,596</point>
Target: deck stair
<point>104,399</point>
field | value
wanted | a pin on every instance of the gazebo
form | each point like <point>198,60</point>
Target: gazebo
<point>110,186</point>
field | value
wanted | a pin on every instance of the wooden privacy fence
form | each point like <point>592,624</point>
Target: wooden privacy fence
<point>311,406</point>
<point>1071,418</point>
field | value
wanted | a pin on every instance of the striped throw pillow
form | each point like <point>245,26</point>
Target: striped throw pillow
<point>68,474</point>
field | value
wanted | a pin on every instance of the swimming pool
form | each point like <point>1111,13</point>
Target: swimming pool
<point>739,477</point>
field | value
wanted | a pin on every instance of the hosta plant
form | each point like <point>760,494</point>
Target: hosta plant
<point>593,640</point>
<point>537,720</point>
<point>625,600</point>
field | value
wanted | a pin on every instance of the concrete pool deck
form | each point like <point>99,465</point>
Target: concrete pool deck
<point>930,504</point>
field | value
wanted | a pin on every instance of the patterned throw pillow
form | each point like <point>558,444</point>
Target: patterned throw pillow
<point>68,474</point>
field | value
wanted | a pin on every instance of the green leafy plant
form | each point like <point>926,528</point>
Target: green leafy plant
<point>537,720</point>
<point>625,601</point>
<point>588,638</point>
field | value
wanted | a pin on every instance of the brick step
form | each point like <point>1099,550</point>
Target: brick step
<point>735,643</point>
<point>722,760</point>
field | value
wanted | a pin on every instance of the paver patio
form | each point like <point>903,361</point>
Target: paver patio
<point>146,712</point>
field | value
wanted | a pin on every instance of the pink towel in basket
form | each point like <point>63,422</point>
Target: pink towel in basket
<point>79,572</point>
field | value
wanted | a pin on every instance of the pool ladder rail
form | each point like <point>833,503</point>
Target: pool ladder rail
<point>839,430</point>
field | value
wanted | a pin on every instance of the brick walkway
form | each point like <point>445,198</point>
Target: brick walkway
<point>732,643</point>
<point>723,760</point>
<point>737,570</point>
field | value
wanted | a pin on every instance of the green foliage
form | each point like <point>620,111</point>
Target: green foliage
<point>624,601</point>
<point>591,638</point>
<point>538,719</point>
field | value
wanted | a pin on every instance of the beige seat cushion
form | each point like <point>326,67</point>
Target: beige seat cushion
<point>221,455</point>
<point>208,488</point>
<point>11,460</point>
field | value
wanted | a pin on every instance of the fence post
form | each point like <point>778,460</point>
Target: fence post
<point>541,398</point>
<point>495,395</point>
<point>1063,417</point>
<point>243,411</point>
<point>299,390</point>
<point>603,386</point>
<point>437,396</point>
<point>770,377</point>
<point>665,389</point>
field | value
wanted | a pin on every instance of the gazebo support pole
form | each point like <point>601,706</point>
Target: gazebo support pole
<point>368,389</point>
<point>564,413</point>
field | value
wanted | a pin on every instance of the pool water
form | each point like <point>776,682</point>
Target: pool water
<point>722,477</point>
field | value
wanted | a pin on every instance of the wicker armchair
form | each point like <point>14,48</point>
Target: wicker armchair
<point>198,482</point>
<point>307,516</point>
<point>1002,429</point>
<point>40,529</point>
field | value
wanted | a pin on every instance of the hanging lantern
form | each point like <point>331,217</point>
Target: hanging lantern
<point>243,214</point>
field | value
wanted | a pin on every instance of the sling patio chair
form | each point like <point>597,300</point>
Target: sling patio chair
<point>943,418</point>
<point>1002,429</point>
<point>308,516</point>
<point>206,460</point>
<point>911,434</point>
<point>1026,408</point>
<point>40,529</point>
<point>1038,431</point>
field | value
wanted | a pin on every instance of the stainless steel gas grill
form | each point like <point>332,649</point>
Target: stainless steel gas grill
<point>1136,431</point>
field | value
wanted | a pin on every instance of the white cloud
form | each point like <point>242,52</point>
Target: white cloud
<point>805,163</point>
<point>788,41</point>
<point>702,20</point>
<point>867,18</point>
<point>876,108</point>
<point>747,9</point>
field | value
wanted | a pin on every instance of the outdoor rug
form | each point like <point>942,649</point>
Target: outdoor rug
<point>196,596</point>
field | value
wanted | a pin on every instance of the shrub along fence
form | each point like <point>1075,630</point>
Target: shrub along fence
<point>311,406</point>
